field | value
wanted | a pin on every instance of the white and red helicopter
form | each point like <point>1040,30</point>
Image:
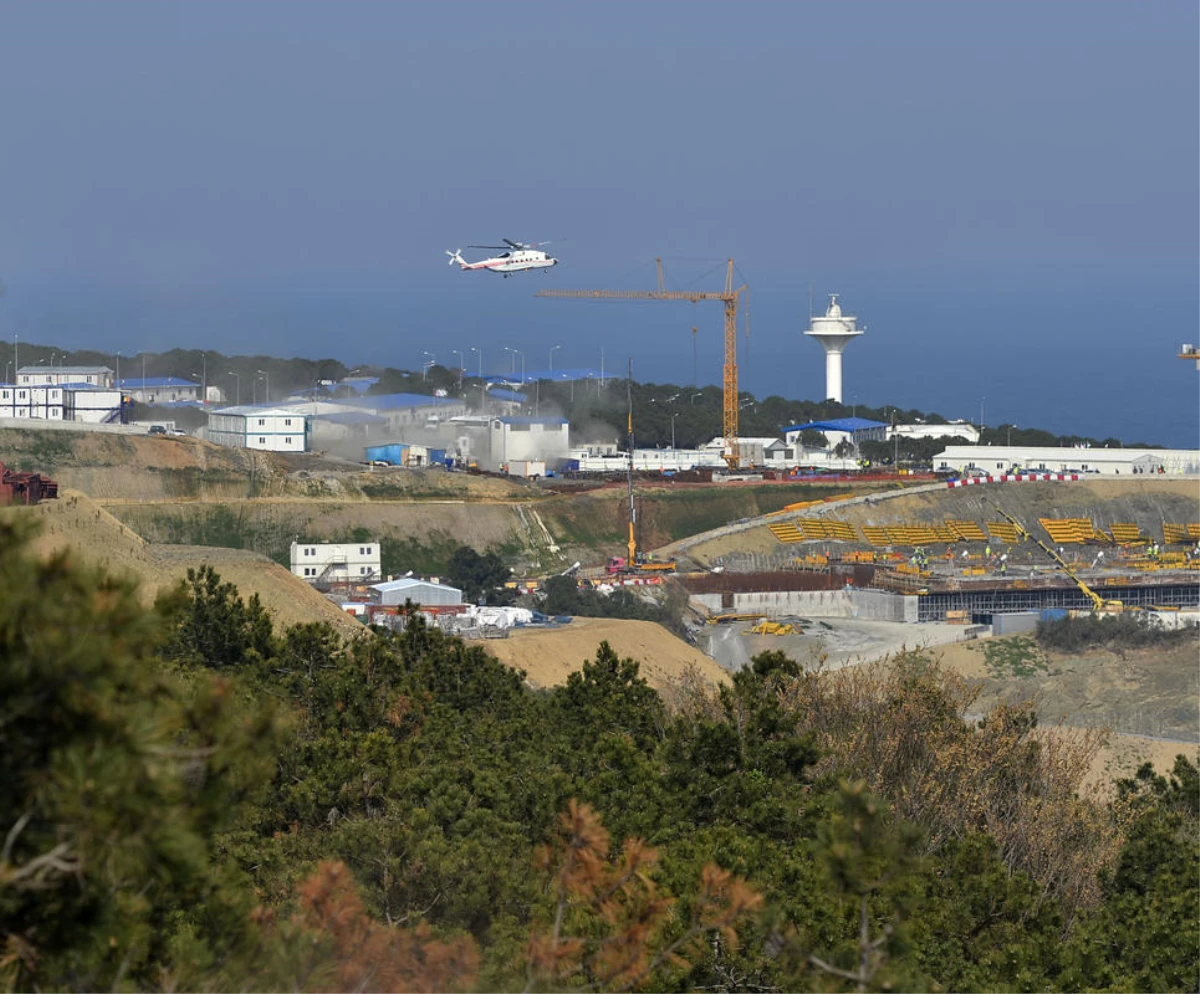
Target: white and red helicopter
<point>515,257</point>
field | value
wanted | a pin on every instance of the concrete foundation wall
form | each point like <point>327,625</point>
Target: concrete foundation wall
<point>1018,621</point>
<point>868,605</point>
<point>706,602</point>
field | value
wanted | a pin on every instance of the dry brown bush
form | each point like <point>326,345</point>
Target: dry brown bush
<point>903,726</point>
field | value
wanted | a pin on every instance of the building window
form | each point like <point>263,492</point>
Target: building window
<point>288,440</point>
<point>261,440</point>
<point>261,422</point>
<point>287,421</point>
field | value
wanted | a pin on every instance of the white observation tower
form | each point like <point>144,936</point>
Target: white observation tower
<point>834,331</point>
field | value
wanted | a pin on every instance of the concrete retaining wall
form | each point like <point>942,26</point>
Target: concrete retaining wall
<point>851,602</point>
<point>706,602</point>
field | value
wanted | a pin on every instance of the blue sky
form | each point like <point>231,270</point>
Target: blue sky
<point>1006,194</point>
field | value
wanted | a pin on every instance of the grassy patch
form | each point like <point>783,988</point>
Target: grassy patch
<point>220,526</point>
<point>1016,656</point>
<point>45,451</point>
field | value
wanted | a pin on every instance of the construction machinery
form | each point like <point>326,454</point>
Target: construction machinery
<point>638,561</point>
<point>1099,604</point>
<point>768,627</point>
<point>729,296</point>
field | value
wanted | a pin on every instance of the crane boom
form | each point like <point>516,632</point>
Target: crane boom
<point>730,297</point>
<point>1098,602</point>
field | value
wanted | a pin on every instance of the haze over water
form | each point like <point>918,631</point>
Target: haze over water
<point>1005,196</point>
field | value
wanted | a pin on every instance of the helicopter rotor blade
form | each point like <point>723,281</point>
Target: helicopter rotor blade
<point>497,247</point>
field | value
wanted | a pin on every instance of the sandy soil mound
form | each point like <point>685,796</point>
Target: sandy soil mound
<point>76,524</point>
<point>548,656</point>
<point>1147,698</point>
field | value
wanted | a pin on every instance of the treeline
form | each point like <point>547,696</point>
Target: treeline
<point>688,415</point>
<point>196,801</point>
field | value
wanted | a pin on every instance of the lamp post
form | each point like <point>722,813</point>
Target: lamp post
<point>694,396</point>
<point>673,417</point>
<point>512,363</point>
<point>267,377</point>
<point>515,353</point>
<point>482,385</point>
<point>238,395</point>
<point>553,348</point>
<point>458,352</point>
<point>425,365</point>
<point>1010,428</point>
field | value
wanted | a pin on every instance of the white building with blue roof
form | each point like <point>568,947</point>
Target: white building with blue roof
<point>404,410</point>
<point>269,428</point>
<point>160,389</point>
<point>62,393</point>
<point>837,430</point>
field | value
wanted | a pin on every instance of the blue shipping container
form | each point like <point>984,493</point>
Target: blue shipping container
<point>1053,613</point>
<point>393,453</point>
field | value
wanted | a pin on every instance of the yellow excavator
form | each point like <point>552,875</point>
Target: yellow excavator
<point>1099,604</point>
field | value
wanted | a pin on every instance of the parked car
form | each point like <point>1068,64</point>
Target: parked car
<point>157,430</point>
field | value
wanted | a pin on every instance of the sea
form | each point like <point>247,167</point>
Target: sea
<point>1088,356</point>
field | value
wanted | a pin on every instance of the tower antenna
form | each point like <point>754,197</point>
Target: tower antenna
<point>833,333</point>
<point>629,472</point>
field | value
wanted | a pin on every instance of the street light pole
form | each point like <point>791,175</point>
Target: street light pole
<point>458,352</point>
<point>552,350</point>
<point>266,376</point>
<point>482,386</point>
<point>237,378</point>
<point>425,365</point>
<point>673,417</point>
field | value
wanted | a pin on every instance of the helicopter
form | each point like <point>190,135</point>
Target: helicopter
<point>515,257</point>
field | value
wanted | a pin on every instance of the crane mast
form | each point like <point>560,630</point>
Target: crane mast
<point>730,297</point>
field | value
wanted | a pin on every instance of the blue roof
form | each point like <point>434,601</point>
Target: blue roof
<point>838,424</point>
<point>352,418</point>
<point>501,394</point>
<point>138,383</point>
<point>527,420</point>
<point>390,401</point>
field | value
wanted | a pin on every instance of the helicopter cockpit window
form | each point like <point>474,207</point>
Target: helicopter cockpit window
<point>505,255</point>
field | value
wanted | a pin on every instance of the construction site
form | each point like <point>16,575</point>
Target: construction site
<point>970,557</point>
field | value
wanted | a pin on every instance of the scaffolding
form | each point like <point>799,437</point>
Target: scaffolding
<point>979,603</point>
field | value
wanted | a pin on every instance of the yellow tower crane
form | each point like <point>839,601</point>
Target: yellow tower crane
<point>730,298</point>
